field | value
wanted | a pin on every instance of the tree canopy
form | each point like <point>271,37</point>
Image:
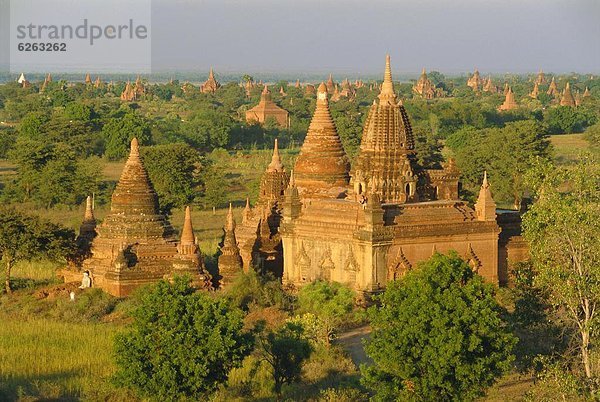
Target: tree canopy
<point>438,335</point>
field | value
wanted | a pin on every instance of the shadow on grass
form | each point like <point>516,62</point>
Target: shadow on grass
<point>37,387</point>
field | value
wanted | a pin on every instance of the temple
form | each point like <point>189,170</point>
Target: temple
<point>509,101</point>
<point>135,245</point>
<point>211,84</point>
<point>541,78</point>
<point>567,98</point>
<point>535,92</point>
<point>553,89</point>
<point>370,224</point>
<point>257,235</point>
<point>266,109</point>
<point>424,87</point>
<point>475,82</point>
<point>489,86</point>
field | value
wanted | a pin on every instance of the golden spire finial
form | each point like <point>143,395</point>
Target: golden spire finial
<point>485,183</point>
<point>387,88</point>
<point>275,165</point>
<point>230,225</point>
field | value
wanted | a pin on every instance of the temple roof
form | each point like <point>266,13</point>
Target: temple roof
<point>266,104</point>
<point>322,162</point>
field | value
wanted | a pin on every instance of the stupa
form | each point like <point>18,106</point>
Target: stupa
<point>135,244</point>
<point>553,89</point>
<point>475,82</point>
<point>567,98</point>
<point>322,166</point>
<point>509,101</point>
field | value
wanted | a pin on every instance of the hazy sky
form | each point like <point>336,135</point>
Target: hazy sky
<point>451,36</point>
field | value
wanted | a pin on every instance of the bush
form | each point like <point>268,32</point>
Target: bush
<point>438,335</point>
<point>182,343</point>
<point>332,303</point>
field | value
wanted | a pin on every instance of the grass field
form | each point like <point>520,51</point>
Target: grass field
<point>50,360</point>
<point>567,147</point>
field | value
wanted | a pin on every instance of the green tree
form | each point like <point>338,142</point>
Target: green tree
<point>563,232</point>
<point>332,302</point>
<point>119,131</point>
<point>285,350</point>
<point>438,335</point>
<point>521,141</point>
<point>52,174</point>
<point>214,186</point>
<point>24,237</point>
<point>182,343</point>
<point>174,172</point>
<point>592,135</point>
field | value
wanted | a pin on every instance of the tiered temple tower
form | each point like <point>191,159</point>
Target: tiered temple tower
<point>136,244</point>
<point>322,167</point>
<point>387,154</point>
<point>475,82</point>
<point>489,86</point>
<point>553,89</point>
<point>424,87</point>
<point>509,101</point>
<point>535,92</point>
<point>567,98</point>
<point>258,238</point>
<point>541,78</point>
<point>211,84</point>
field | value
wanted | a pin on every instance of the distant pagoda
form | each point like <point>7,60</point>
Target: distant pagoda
<point>509,101</point>
<point>567,98</point>
<point>475,82</point>
<point>265,109</point>
<point>424,87</point>
<point>553,89</point>
<point>211,84</point>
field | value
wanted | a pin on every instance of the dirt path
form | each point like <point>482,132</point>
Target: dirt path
<point>351,341</point>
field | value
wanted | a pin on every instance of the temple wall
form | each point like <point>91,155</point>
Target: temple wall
<point>484,246</point>
<point>308,259</point>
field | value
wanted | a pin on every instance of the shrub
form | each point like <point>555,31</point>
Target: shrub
<point>182,343</point>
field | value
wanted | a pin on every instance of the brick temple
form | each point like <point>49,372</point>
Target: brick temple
<point>370,223</point>
<point>136,245</point>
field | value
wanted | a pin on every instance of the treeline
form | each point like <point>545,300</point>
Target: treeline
<point>59,138</point>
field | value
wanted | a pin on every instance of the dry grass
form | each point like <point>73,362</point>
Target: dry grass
<point>568,147</point>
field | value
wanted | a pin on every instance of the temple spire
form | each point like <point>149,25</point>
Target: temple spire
<point>230,223</point>
<point>567,98</point>
<point>485,207</point>
<point>387,88</point>
<point>247,214</point>
<point>275,165</point>
<point>89,210</point>
<point>187,234</point>
<point>322,163</point>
